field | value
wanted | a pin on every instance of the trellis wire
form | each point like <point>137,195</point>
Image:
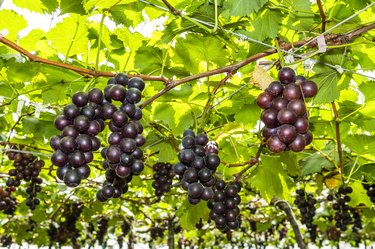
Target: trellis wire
<point>26,152</point>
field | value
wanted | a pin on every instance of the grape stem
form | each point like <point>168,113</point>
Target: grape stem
<point>253,161</point>
<point>285,206</point>
<point>170,233</point>
<point>338,138</point>
<point>322,15</point>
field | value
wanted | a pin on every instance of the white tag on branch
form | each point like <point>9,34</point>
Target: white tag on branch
<point>3,33</point>
<point>38,109</point>
<point>20,105</point>
<point>308,65</point>
<point>322,46</point>
<point>261,78</point>
<point>1,100</point>
<point>289,59</point>
<point>339,69</point>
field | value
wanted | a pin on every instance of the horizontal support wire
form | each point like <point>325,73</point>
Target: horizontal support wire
<point>26,152</point>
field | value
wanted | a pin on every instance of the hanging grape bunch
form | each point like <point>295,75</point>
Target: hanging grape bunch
<point>198,162</point>
<point>84,119</point>
<point>370,190</point>
<point>163,176</point>
<point>26,167</point>
<point>224,205</point>
<point>306,205</point>
<point>285,115</point>
<point>123,158</point>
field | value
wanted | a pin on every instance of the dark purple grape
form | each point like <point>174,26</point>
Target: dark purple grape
<point>108,191</point>
<point>137,167</point>
<point>298,144</point>
<point>190,175</point>
<point>126,160</point>
<point>136,82</point>
<point>122,79</point>
<point>188,132</point>
<point>179,168</point>
<point>60,172</point>
<point>264,100</point>
<point>95,143</point>
<point>275,88</point>
<point>287,75</point>
<point>201,139</point>
<point>309,88</point>
<point>287,133</point>
<point>286,116</point>
<point>117,92</point>
<point>198,163</point>
<point>67,144</point>
<point>207,194</point>
<point>54,142</point>
<point>199,150</point>
<point>302,125</point>
<point>298,106</point>
<point>84,171</point>
<point>81,123</point>
<point>61,122</point>
<point>186,156</point>
<point>269,118</point>
<point>138,114</point>
<point>71,111</point>
<point>96,96</point>
<point>113,154</point>
<point>59,158</point>
<point>76,158</point>
<point>133,95</point>
<point>275,145</point>
<point>89,112</point>
<point>204,175</point>
<point>94,128</point>
<point>193,201</point>
<point>69,131</point>
<point>292,91</point>
<point>130,130</point>
<point>107,110</point>
<point>299,79</point>
<point>114,138</point>
<point>230,191</point>
<point>72,178</point>
<point>129,109</point>
<point>89,156</point>
<point>220,185</point>
<point>123,171</point>
<point>114,128</point>
<point>268,132</point>
<point>84,143</point>
<point>140,140</point>
<point>80,99</point>
<point>119,118</point>
<point>212,161</point>
<point>128,145</point>
<point>195,190</point>
<point>308,137</point>
<point>99,196</point>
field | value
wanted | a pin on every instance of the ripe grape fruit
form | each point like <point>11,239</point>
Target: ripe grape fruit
<point>198,162</point>
<point>81,122</point>
<point>285,115</point>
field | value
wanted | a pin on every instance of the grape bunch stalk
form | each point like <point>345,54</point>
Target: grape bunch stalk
<point>163,176</point>
<point>285,115</point>
<point>198,162</point>
<point>224,205</point>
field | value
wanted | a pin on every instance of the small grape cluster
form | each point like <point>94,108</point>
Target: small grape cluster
<point>102,231</point>
<point>340,201</point>
<point>26,167</point>
<point>163,176</point>
<point>123,158</point>
<point>125,229</point>
<point>6,240</point>
<point>7,201</point>
<point>224,205</point>
<point>285,116</point>
<point>306,205</point>
<point>370,190</point>
<point>198,162</point>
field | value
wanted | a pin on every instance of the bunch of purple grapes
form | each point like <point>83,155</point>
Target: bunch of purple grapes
<point>163,176</point>
<point>370,190</point>
<point>306,205</point>
<point>123,158</point>
<point>26,167</point>
<point>224,205</point>
<point>198,162</point>
<point>285,115</point>
<point>7,201</point>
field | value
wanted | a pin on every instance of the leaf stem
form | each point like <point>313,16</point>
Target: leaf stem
<point>338,137</point>
<point>71,43</point>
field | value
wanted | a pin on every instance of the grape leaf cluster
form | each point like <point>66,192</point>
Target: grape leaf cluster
<point>306,205</point>
<point>163,176</point>
<point>285,116</point>
<point>26,167</point>
<point>198,162</point>
<point>343,212</point>
<point>224,205</point>
<point>123,158</point>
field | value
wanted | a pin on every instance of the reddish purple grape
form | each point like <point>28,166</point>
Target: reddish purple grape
<point>275,88</point>
<point>122,79</point>
<point>287,133</point>
<point>287,75</point>
<point>302,125</point>
<point>61,122</point>
<point>286,116</point>
<point>298,106</point>
<point>292,91</point>
<point>269,132</point>
<point>264,100</point>
<point>81,123</point>
<point>308,137</point>
<point>275,145</point>
<point>95,95</point>
<point>279,103</point>
<point>67,144</point>
<point>69,131</point>
<point>113,154</point>
<point>117,92</point>
<point>298,144</point>
<point>71,111</point>
<point>309,88</point>
<point>269,118</point>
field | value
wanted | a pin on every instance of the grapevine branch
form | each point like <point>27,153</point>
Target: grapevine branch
<point>322,15</point>
<point>338,137</point>
<point>250,163</point>
<point>334,39</point>
<point>284,205</point>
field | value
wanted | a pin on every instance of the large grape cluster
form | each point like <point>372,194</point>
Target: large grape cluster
<point>285,116</point>
<point>198,162</point>
<point>163,176</point>
<point>224,205</point>
<point>306,205</point>
<point>26,167</point>
<point>85,118</point>
<point>123,158</point>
